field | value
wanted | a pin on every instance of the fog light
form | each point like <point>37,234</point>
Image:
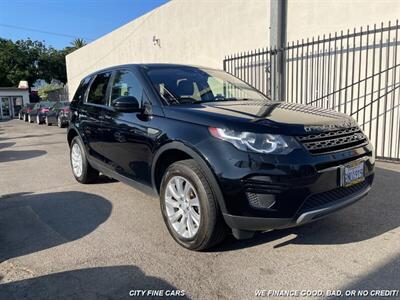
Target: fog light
<point>261,201</point>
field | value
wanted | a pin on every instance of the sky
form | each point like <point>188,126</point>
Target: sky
<point>58,22</point>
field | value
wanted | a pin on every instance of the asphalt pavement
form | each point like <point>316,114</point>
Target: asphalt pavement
<point>63,240</point>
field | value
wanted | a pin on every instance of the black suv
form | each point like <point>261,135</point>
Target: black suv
<point>219,154</point>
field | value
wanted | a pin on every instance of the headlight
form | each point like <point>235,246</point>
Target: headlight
<point>256,142</point>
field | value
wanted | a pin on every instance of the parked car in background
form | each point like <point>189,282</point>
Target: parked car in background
<point>58,114</point>
<point>219,154</point>
<point>39,112</point>
<point>25,111</point>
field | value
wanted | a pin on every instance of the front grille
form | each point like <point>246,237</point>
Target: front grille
<point>324,142</point>
<point>320,200</point>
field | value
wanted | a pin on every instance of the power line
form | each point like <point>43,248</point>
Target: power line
<point>42,31</point>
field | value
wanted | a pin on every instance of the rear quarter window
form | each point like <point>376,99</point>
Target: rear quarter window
<point>80,92</point>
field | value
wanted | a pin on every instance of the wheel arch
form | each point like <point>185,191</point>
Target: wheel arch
<point>175,151</point>
<point>72,132</point>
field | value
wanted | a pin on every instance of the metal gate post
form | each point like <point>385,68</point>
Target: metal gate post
<point>278,36</point>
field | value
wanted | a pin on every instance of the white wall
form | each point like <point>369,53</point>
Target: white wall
<point>192,32</point>
<point>310,18</point>
<point>204,32</point>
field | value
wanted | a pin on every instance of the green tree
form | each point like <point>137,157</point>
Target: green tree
<point>78,43</point>
<point>33,60</point>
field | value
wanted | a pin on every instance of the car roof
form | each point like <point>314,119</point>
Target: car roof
<point>149,66</point>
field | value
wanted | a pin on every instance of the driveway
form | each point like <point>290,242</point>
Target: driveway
<point>61,239</point>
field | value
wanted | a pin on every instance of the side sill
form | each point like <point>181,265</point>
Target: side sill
<point>110,173</point>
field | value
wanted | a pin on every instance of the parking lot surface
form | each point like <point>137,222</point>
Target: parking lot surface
<point>61,239</point>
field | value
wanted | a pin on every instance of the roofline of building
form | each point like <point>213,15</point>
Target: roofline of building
<point>12,88</point>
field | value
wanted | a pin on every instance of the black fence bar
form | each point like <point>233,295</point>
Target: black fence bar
<point>355,72</point>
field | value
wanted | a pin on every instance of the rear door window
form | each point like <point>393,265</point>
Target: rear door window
<point>98,89</point>
<point>80,92</point>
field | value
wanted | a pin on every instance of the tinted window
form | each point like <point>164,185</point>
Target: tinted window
<point>80,92</point>
<point>98,89</point>
<point>125,84</point>
<point>180,85</point>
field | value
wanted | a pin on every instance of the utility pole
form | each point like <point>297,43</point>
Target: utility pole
<point>278,36</point>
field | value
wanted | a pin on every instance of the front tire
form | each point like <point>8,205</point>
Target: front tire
<point>189,207</point>
<point>82,170</point>
<point>30,119</point>
<point>47,121</point>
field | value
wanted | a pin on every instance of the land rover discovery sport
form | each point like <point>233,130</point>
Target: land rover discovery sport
<point>221,156</point>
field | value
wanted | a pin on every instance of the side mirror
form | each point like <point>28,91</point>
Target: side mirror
<point>126,104</point>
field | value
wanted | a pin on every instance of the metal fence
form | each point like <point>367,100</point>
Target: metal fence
<point>355,72</point>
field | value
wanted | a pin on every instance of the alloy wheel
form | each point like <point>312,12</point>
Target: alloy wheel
<point>182,207</point>
<point>76,160</point>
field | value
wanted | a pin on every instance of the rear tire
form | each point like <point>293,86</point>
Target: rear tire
<point>210,228</point>
<point>86,173</point>
<point>47,121</point>
<point>59,122</point>
<point>30,119</point>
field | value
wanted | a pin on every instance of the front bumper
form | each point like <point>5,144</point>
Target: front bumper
<point>262,224</point>
<point>302,187</point>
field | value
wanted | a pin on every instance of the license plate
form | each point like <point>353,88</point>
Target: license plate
<point>352,173</point>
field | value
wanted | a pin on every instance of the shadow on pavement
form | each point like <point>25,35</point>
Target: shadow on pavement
<point>31,136</point>
<point>385,277</point>
<point>6,145</point>
<point>372,216</point>
<point>34,222</point>
<point>104,179</point>
<point>95,283</point>
<point>13,155</point>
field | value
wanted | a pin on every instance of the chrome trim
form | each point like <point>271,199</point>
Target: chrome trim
<point>361,159</point>
<point>309,216</point>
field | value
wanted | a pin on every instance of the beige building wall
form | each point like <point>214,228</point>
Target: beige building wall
<point>190,32</point>
<point>310,18</point>
<point>203,32</point>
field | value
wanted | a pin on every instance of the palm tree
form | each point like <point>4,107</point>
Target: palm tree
<point>78,43</point>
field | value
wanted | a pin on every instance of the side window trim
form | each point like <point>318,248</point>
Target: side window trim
<point>85,95</point>
<point>109,88</point>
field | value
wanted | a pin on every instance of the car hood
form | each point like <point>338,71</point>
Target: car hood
<point>270,116</point>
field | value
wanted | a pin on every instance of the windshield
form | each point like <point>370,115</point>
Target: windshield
<point>182,85</point>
